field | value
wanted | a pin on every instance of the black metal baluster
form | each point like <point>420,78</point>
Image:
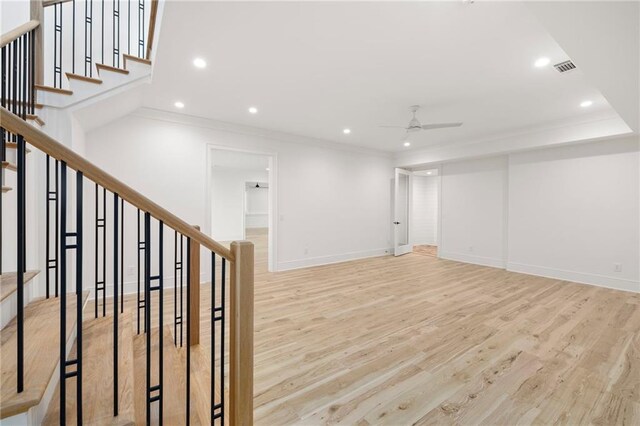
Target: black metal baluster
<point>128,27</point>
<point>52,196</point>
<point>57,45</point>
<point>73,36</point>
<point>140,251</point>
<point>141,28</point>
<point>222,334</point>
<point>122,255</point>
<point>21,266</point>
<point>115,304</point>
<point>88,38</point>
<point>100,231</point>
<point>102,29</point>
<point>79,306</point>
<point>161,317</point>
<point>181,285</point>
<point>188,390</point>
<point>213,336</point>
<point>177,287</point>
<point>63,298</point>
<point>147,314</point>
<point>116,33</point>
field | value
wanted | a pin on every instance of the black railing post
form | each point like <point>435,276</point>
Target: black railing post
<point>147,311</point>
<point>63,290</point>
<point>140,250</point>
<point>21,266</point>
<point>79,278</point>
<point>188,390</point>
<point>115,304</point>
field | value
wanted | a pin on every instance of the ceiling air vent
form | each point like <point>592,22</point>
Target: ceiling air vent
<point>565,66</point>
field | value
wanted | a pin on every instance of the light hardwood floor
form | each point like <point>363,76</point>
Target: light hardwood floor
<point>419,340</point>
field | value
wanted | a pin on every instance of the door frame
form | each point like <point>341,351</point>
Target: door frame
<point>399,250</point>
<point>273,196</point>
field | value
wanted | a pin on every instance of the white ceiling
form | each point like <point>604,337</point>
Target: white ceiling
<point>315,68</point>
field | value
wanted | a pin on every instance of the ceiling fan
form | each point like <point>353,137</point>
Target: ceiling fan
<point>416,126</point>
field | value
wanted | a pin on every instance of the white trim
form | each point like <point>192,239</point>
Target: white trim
<point>439,229</point>
<point>338,258</point>
<point>578,277</point>
<point>474,259</point>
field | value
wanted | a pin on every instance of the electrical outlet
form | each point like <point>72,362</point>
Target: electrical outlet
<point>617,267</point>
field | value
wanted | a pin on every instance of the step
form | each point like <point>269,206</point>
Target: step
<point>50,89</point>
<point>174,379</point>
<point>103,67</point>
<point>9,166</point>
<point>14,145</point>
<point>8,294</point>
<point>9,282</point>
<point>37,120</point>
<point>79,77</point>
<point>97,381</point>
<point>6,189</point>
<point>41,356</point>
<point>132,58</point>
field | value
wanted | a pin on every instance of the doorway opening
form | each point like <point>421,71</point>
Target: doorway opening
<point>241,201</point>
<point>425,212</point>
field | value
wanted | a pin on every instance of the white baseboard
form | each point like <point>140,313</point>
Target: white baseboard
<point>469,258</point>
<point>578,277</point>
<point>326,260</point>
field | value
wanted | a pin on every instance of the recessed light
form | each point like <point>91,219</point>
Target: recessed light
<point>407,143</point>
<point>253,110</point>
<point>346,131</point>
<point>179,104</point>
<point>428,173</point>
<point>585,104</point>
<point>267,169</point>
<point>542,62</point>
<point>199,63</point>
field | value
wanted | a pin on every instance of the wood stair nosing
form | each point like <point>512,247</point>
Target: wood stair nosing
<point>6,189</point>
<point>72,76</point>
<point>103,67</point>
<point>97,380</point>
<point>9,166</point>
<point>135,59</point>
<point>41,349</point>
<point>35,118</point>
<point>9,282</point>
<point>53,89</point>
<point>14,145</point>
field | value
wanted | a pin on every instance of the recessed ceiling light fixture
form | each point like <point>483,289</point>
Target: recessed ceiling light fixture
<point>179,104</point>
<point>585,104</point>
<point>428,173</point>
<point>542,62</point>
<point>407,143</point>
<point>267,169</point>
<point>346,131</point>
<point>199,63</point>
<point>253,110</point>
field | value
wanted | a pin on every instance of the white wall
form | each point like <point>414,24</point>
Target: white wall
<point>257,207</point>
<point>574,213</point>
<point>424,218</point>
<point>473,211</point>
<point>227,201</point>
<point>333,202</point>
<point>570,212</point>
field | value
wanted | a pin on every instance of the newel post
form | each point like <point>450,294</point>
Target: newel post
<point>37,14</point>
<point>194,291</point>
<point>241,335</point>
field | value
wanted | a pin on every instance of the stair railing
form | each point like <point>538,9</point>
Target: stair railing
<point>81,34</point>
<point>238,409</point>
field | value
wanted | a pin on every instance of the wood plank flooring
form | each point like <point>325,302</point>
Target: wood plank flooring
<point>419,340</point>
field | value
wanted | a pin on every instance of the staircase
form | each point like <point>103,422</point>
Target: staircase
<point>122,361</point>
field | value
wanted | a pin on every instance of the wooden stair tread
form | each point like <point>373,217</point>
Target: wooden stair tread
<point>6,189</point>
<point>110,68</point>
<point>53,89</point>
<point>9,282</point>
<point>72,76</point>
<point>41,349</point>
<point>9,166</point>
<point>35,118</point>
<point>174,381</point>
<point>135,59</point>
<point>97,383</point>
<point>14,145</point>
<point>10,102</point>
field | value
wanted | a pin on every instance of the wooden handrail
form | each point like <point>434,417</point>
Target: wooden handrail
<point>48,145</point>
<point>18,31</point>
<point>152,27</point>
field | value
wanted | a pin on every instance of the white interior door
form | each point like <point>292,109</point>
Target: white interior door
<point>402,195</point>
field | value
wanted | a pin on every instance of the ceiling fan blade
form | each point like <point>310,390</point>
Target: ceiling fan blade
<point>440,125</point>
<point>394,127</point>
